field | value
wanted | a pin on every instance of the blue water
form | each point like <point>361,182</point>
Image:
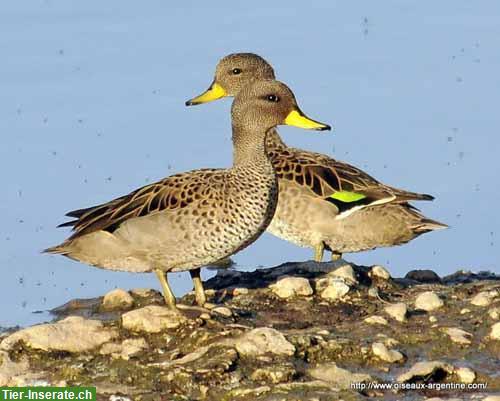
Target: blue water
<point>92,106</point>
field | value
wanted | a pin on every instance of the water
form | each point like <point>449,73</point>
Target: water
<point>92,107</point>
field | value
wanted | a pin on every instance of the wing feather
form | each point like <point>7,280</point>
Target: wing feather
<point>174,192</point>
<point>324,176</point>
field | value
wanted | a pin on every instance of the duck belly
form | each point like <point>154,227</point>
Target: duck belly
<point>301,217</point>
<point>308,221</point>
<point>177,240</point>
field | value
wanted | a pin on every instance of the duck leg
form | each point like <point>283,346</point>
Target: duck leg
<point>199,291</point>
<point>168,295</point>
<point>336,256</point>
<point>318,252</point>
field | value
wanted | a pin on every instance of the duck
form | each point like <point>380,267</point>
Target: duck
<point>196,218</point>
<point>324,203</point>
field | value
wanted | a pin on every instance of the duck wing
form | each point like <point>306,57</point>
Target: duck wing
<point>174,192</point>
<point>340,183</point>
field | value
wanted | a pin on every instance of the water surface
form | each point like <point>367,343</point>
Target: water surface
<point>92,107</point>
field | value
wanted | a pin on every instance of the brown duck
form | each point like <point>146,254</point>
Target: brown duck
<point>193,219</point>
<point>323,202</point>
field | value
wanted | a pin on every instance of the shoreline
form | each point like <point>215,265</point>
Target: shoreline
<point>307,330</point>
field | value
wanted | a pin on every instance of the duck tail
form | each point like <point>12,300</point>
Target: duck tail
<point>413,196</point>
<point>425,225</point>
<point>60,249</point>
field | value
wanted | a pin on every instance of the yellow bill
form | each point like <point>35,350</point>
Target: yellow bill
<point>297,119</point>
<point>213,93</point>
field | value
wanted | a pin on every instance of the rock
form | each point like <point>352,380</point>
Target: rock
<point>464,311</point>
<point>425,369</point>
<point>484,298</point>
<point>240,291</point>
<point>381,351</point>
<point>428,301</point>
<point>375,319</point>
<point>338,377</point>
<point>10,369</point>
<point>494,313</point>
<point>466,375</point>
<point>390,342</point>
<point>442,399</point>
<point>274,374</point>
<point>152,319</point>
<point>287,287</point>
<point>495,331</point>
<point>374,293</point>
<point>143,292</point>
<point>73,334</point>
<point>264,340</point>
<point>205,316</point>
<point>213,358</point>
<point>398,311</point>
<point>379,272</point>
<point>345,272</point>
<point>423,276</point>
<point>223,311</point>
<point>458,335</point>
<point>492,398</point>
<point>335,289</point>
<point>117,299</point>
<point>128,348</point>
<point>115,397</point>
<point>247,393</point>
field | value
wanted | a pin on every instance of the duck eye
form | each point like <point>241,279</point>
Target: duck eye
<point>236,71</point>
<point>273,98</point>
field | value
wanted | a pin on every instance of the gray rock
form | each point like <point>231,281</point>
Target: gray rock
<point>73,334</point>
<point>428,301</point>
<point>338,377</point>
<point>240,291</point>
<point>484,298</point>
<point>126,349</point>
<point>152,319</point>
<point>117,299</point>
<point>115,397</point>
<point>373,292</point>
<point>345,272</point>
<point>334,289</point>
<point>380,272</point>
<point>9,369</point>
<point>223,311</point>
<point>423,276</point>
<point>458,335</point>
<point>375,319</point>
<point>287,287</point>
<point>494,313</point>
<point>143,292</point>
<point>442,399</point>
<point>381,351</point>
<point>495,331</point>
<point>274,374</point>
<point>425,369</point>
<point>262,341</point>
<point>465,375</point>
<point>398,311</point>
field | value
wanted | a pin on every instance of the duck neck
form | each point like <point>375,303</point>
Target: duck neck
<point>274,141</point>
<point>249,147</point>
